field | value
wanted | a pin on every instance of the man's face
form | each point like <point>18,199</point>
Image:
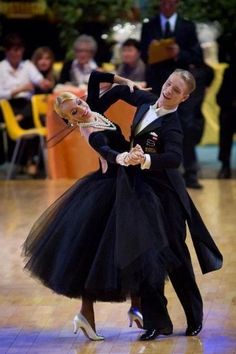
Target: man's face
<point>83,53</point>
<point>168,7</point>
<point>14,55</point>
<point>173,92</point>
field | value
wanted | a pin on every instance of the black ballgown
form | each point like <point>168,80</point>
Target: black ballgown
<point>105,236</point>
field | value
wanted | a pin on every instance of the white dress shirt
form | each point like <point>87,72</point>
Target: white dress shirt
<point>80,74</point>
<point>152,114</point>
<point>172,21</point>
<point>11,78</point>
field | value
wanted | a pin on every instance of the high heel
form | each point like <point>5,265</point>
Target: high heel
<point>81,322</point>
<point>135,316</point>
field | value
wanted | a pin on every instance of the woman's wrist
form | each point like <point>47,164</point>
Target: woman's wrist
<point>122,159</point>
<point>119,80</point>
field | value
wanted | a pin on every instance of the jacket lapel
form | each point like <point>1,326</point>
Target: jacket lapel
<point>139,115</point>
<point>152,126</point>
<point>157,28</point>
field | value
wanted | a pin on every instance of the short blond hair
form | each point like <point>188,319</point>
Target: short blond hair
<point>64,96</point>
<point>188,78</point>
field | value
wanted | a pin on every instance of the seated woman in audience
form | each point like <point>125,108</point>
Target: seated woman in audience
<point>132,67</point>
<point>77,71</point>
<point>43,59</point>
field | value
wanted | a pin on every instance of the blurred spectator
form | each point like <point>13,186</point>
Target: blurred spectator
<point>76,72</point>
<point>132,67</point>
<point>204,76</point>
<point>184,52</point>
<point>43,59</point>
<point>18,78</point>
<point>226,99</point>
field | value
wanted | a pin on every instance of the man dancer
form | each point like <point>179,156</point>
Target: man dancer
<point>156,128</point>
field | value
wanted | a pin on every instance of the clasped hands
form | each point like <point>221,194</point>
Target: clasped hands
<point>135,156</point>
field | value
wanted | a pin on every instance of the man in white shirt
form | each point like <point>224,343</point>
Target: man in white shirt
<point>157,131</point>
<point>18,78</point>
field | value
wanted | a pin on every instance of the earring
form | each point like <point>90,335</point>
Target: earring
<point>70,124</point>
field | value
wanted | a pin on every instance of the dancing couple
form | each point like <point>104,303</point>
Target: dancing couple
<point>119,232</point>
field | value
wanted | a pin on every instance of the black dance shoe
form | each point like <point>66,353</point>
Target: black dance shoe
<point>193,184</point>
<point>151,334</point>
<point>224,173</point>
<point>193,331</point>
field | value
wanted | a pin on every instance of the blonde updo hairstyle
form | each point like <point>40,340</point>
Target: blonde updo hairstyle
<point>65,96</point>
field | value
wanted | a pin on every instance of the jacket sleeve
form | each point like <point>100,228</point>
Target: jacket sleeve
<point>99,142</point>
<point>147,35</point>
<point>190,49</point>
<point>171,157</point>
<point>95,79</point>
<point>65,73</point>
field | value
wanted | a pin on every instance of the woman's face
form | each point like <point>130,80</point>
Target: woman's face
<point>44,63</point>
<point>15,55</point>
<point>75,110</point>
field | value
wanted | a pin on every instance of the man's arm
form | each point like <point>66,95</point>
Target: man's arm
<point>171,157</point>
<point>190,49</point>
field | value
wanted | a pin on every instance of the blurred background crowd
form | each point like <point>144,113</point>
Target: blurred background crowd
<point>47,46</point>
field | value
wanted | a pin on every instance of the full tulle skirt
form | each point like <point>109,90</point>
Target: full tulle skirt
<point>103,238</point>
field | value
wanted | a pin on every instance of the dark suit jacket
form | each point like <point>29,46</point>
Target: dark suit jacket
<point>190,51</point>
<point>166,157</point>
<point>65,75</point>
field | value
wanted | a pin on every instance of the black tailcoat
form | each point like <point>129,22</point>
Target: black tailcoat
<point>166,157</point>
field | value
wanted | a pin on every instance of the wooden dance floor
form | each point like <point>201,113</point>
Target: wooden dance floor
<point>34,320</point>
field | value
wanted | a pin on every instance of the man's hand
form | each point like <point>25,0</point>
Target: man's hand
<point>26,87</point>
<point>173,50</point>
<point>45,84</point>
<point>136,156</point>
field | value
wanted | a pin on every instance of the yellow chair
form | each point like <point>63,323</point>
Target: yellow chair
<point>19,134</point>
<point>57,67</point>
<point>39,104</point>
<point>4,138</point>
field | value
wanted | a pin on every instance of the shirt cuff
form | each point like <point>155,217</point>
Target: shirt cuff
<point>147,162</point>
<point>120,158</point>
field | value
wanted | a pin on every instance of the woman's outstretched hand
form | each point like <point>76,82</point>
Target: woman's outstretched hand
<point>131,84</point>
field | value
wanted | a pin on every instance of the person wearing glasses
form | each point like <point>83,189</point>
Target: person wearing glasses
<point>76,72</point>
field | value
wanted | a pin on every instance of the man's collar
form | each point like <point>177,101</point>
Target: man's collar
<point>9,67</point>
<point>161,111</point>
<point>172,20</point>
